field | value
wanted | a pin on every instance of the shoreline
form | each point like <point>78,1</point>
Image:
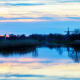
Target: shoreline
<point>16,44</point>
<point>21,44</point>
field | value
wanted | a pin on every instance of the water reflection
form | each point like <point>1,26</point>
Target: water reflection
<point>21,51</point>
<point>60,50</point>
<point>73,52</point>
<point>29,50</point>
<point>51,63</point>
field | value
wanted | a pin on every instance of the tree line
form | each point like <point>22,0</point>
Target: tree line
<point>75,35</point>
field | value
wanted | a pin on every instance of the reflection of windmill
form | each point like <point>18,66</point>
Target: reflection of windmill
<point>68,32</point>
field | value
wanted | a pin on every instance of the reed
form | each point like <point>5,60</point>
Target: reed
<point>16,43</point>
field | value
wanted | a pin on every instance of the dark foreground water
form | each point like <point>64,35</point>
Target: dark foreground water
<point>41,63</point>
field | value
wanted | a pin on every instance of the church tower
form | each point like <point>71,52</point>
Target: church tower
<point>5,36</point>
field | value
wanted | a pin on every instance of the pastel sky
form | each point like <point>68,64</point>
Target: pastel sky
<point>38,16</point>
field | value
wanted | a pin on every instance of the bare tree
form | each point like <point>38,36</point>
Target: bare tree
<point>76,31</point>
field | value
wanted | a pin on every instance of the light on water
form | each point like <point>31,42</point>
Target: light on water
<point>58,63</point>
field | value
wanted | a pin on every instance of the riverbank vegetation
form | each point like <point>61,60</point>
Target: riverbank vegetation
<point>11,44</point>
<point>53,39</point>
<point>20,41</point>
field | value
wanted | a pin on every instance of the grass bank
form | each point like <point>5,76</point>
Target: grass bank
<point>55,43</point>
<point>8,44</point>
<point>65,42</point>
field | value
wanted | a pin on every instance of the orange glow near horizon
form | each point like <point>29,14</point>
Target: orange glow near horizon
<point>1,35</point>
<point>9,35</point>
<point>4,35</point>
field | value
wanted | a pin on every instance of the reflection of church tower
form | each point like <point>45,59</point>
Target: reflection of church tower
<point>68,49</point>
<point>5,36</point>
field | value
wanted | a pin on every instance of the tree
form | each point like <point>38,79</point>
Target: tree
<point>75,35</point>
<point>76,31</point>
<point>22,36</point>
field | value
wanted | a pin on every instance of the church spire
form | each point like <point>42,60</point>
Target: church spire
<point>5,36</point>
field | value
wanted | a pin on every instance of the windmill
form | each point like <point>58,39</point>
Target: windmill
<point>68,32</point>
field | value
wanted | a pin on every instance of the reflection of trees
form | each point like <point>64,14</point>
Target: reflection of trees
<point>50,46</point>
<point>20,51</point>
<point>60,50</point>
<point>57,47</point>
<point>35,54</point>
<point>75,54</point>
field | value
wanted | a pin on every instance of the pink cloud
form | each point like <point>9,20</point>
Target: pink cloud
<point>24,20</point>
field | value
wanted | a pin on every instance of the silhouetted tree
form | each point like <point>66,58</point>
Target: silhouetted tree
<point>12,37</point>
<point>76,31</point>
<point>75,35</point>
<point>22,37</point>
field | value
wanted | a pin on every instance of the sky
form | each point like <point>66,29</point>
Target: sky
<point>38,16</point>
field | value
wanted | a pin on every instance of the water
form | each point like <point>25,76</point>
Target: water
<point>41,63</point>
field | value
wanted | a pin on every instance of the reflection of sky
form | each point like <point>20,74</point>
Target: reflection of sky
<point>48,65</point>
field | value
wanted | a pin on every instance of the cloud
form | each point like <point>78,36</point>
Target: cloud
<point>39,19</point>
<point>67,1</point>
<point>24,20</point>
<point>65,78</point>
<point>2,18</point>
<point>40,9</point>
<point>21,4</point>
<point>28,75</point>
<point>75,18</point>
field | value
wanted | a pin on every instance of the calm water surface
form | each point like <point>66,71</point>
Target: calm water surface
<point>41,63</point>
